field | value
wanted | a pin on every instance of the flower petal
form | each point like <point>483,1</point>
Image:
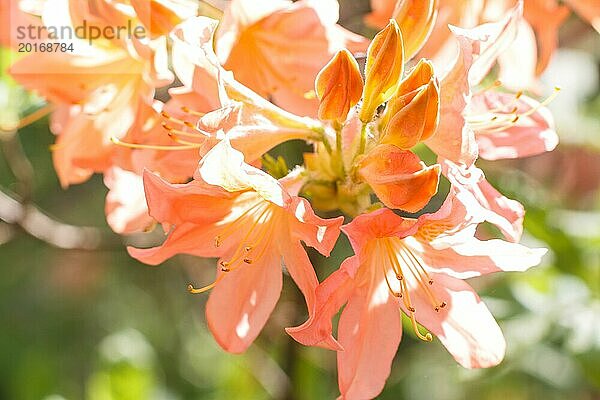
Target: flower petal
<point>242,301</point>
<point>485,200</point>
<point>399,178</point>
<point>479,257</point>
<point>194,202</point>
<point>454,140</point>
<point>330,296</point>
<point>464,326</point>
<point>224,166</point>
<point>186,238</point>
<point>370,332</point>
<point>533,133</point>
<point>318,233</point>
<point>126,210</point>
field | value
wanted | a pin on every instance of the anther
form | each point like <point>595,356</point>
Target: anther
<point>399,277</point>
<point>248,260</point>
<point>187,110</point>
<point>248,248</point>
<point>431,282</point>
<point>217,241</point>
<point>443,304</point>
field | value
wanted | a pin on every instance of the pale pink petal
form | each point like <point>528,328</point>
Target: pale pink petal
<point>126,210</point>
<point>485,200</point>
<point>377,224</point>
<point>476,257</point>
<point>300,268</point>
<point>224,166</point>
<point>316,232</point>
<point>330,296</point>
<point>465,326</point>
<point>242,301</point>
<point>186,238</point>
<point>454,140</point>
<point>370,332</point>
<point>493,39</point>
<point>518,62</point>
<point>194,202</point>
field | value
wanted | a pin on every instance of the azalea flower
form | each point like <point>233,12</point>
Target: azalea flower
<point>277,47</point>
<point>212,104</point>
<point>97,92</point>
<point>488,123</point>
<point>253,223</point>
<point>417,266</point>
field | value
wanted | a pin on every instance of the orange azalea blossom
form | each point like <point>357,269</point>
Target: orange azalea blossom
<point>277,47</point>
<point>486,122</point>
<point>373,139</point>
<point>253,223</point>
<point>416,266</point>
<point>98,91</point>
<point>212,104</point>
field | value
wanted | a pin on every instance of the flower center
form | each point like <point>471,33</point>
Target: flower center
<point>505,116</point>
<point>405,265</point>
<point>256,224</point>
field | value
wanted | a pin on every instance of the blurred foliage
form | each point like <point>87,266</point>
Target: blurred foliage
<point>100,326</point>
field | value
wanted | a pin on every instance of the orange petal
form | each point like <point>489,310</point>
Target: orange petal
<point>399,178</point>
<point>160,18</point>
<point>384,68</point>
<point>416,19</point>
<point>416,120</point>
<point>339,87</point>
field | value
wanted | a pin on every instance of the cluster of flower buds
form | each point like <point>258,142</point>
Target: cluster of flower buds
<point>274,71</point>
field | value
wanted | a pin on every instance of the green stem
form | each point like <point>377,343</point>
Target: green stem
<point>363,139</point>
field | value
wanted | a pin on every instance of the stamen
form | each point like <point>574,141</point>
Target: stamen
<point>29,119</point>
<point>502,120</point>
<point>118,142</point>
<point>427,337</point>
<point>194,290</point>
<point>187,110</point>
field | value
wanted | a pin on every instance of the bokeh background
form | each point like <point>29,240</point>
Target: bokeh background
<point>80,319</point>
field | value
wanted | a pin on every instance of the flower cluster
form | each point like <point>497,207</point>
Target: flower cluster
<point>196,161</point>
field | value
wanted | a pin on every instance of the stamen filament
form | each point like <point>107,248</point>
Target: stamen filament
<point>118,142</point>
<point>187,110</point>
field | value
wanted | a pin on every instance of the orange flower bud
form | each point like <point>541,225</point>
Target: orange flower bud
<point>399,178</point>
<point>383,71</point>
<point>416,19</point>
<point>338,87</point>
<point>412,115</point>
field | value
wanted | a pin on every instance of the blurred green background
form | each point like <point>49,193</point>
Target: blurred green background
<point>97,325</point>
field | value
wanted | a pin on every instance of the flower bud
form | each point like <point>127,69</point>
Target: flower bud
<point>383,71</point>
<point>412,115</point>
<point>338,87</point>
<point>399,178</point>
<point>416,19</point>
